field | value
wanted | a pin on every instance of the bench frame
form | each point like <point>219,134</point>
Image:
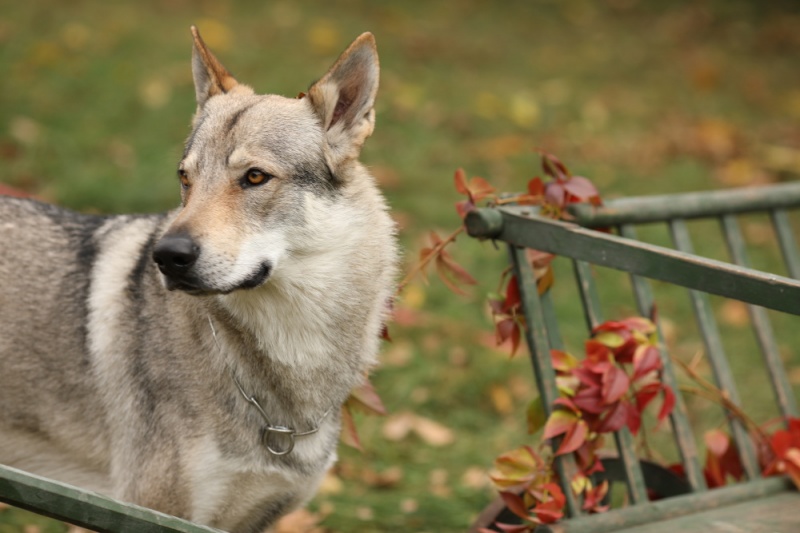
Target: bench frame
<point>523,227</point>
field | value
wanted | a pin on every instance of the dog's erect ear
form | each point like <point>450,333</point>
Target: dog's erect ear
<point>344,98</point>
<point>210,77</point>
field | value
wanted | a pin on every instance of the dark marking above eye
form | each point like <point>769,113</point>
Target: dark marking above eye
<point>231,123</point>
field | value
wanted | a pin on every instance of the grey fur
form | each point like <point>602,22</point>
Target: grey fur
<point>111,381</point>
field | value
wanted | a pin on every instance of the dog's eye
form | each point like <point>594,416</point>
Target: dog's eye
<point>184,179</point>
<point>255,177</point>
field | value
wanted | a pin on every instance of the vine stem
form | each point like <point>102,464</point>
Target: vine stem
<point>720,398</point>
<point>420,265</point>
<point>714,393</point>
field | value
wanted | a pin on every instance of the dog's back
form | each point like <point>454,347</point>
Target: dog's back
<point>50,413</point>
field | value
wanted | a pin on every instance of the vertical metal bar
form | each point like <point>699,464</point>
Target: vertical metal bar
<point>679,418</point>
<point>716,355</point>
<point>538,339</point>
<point>783,230</point>
<point>784,395</point>
<point>623,438</point>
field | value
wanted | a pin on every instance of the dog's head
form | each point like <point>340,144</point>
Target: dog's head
<point>254,163</point>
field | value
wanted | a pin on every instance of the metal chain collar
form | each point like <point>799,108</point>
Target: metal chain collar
<point>270,431</point>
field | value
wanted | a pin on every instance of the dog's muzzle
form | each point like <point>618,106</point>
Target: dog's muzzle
<point>176,254</point>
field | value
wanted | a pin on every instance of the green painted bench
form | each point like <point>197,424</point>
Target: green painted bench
<point>756,504</point>
<point>86,509</point>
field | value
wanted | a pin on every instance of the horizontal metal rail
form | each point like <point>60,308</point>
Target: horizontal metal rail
<point>669,508</point>
<point>661,208</point>
<point>86,509</point>
<point>520,226</point>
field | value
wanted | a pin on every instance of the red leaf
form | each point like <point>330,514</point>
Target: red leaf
<point>460,180</point>
<point>625,352</point>
<point>554,193</point>
<point>553,166</point>
<point>538,258</point>
<point>515,504</point>
<point>463,207</point>
<point>634,420</point>
<point>615,384</point>
<point>669,403</point>
<point>508,329</point>
<point>503,330</point>
<point>556,494</point>
<point>646,394</point>
<point>516,334</point>
<point>512,295</point>
<point>479,189</point>
<point>596,352</point>
<point>459,273</point>
<point>558,423</point>
<point>616,418</point>
<point>646,359</point>
<point>536,187</point>
<point>496,302</point>
<point>588,376</point>
<point>581,188</point>
<point>717,442</point>
<point>792,460</point>
<point>349,434</point>
<point>643,325</point>
<point>592,498</point>
<point>589,400</point>
<point>445,272</point>
<point>568,404</point>
<point>547,516</point>
<point>780,442</point>
<point>366,399</point>
<point>609,325</point>
<point>574,438</point>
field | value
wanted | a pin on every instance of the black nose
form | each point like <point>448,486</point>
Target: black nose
<point>175,254</point>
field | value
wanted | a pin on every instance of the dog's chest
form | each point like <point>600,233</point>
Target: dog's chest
<point>244,493</point>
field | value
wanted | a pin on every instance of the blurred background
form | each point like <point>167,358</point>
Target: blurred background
<point>641,97</point>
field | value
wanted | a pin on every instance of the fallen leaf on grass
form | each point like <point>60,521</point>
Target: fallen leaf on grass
<point>299,521</point>
<point>409,505</point>
<point>331,484</point>
<point>438,483</point>
<point>734,313</point>
<point>501,399</point>
<point>475,477</point>
<point>383,480</point>
<point>399,426</point>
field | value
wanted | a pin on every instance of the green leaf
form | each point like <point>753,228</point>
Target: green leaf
<point>610,339</point>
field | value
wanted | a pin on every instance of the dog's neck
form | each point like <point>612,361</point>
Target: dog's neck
<point>287,345</point>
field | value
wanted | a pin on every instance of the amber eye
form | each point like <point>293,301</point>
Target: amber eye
<point>184,179</point>
<point>255,177</point>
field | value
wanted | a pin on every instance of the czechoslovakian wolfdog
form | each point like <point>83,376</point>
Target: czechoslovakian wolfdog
<point>195,362</point>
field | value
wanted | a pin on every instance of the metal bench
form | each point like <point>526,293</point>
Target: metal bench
<point>86,509</point>
<point>756,504</point>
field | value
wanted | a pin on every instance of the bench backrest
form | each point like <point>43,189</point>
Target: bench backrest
<point>522,227</point>
<point>84,508</point>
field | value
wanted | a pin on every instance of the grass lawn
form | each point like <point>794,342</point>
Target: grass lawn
<point>641,97</point>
